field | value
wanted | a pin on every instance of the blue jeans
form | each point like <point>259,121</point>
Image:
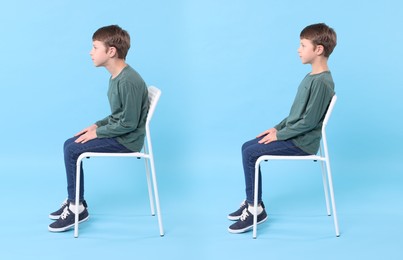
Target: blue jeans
<point>252,150</point>
<point>73,150</point>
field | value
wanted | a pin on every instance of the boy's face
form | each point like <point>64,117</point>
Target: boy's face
<point>307,51</point>
<point>99,53</point>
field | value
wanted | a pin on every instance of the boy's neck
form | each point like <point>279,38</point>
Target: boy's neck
<point>115,67</point>
<point>319,65</point>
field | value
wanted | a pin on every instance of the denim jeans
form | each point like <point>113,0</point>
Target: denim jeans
<point>73,150</point>
<point>252,150</point>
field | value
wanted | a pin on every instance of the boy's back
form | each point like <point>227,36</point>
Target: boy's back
<point>310,104</point>
<point>128,99</point>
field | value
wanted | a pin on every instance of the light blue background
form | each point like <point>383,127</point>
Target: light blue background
<point>228,70</point>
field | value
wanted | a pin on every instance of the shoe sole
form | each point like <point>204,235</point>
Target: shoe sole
<point>238,231</point>
<point>66,227</point>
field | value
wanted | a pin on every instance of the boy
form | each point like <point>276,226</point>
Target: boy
<point>300,132</point>
<point>121,132</point>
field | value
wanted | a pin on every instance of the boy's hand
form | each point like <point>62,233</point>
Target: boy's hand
<point>86,134</point>
<point>269,136</point>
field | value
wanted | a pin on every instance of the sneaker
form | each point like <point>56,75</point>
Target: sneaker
<point>245,222</point>
<point>237,214</point>
<point>56,215</point>
<point>66,220</point>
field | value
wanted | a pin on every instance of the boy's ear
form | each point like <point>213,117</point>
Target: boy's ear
<point>319,49</point>
<point>112,51</point>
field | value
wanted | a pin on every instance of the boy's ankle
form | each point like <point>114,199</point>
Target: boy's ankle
<point>81,207</point>
<point>251,208</point>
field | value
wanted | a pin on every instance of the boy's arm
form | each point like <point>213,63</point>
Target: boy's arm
<point>315,108</point>
<point>281,125</point>
<point>102,122</point>
<point>131,98</point>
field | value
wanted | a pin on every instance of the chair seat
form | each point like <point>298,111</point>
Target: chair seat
<point>134,154</point>
<point>292,157</point>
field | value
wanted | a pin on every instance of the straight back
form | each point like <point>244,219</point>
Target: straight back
<point>153,97</point>
<point>325,121</point>
<point>329,112</point>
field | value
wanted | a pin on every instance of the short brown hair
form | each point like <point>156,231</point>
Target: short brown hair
<point>114,36</point>
<point>320,34</point>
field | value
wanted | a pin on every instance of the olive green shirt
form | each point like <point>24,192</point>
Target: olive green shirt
<point>304,123</point>
<point>128,99</point>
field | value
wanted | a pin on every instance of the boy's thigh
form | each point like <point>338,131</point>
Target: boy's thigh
<point>97,145</point>
<point>273,148</point>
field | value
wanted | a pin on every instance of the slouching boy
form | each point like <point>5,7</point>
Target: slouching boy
<point>122,131</point>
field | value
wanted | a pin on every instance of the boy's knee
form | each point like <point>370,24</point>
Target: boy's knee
<point>247,154</point>
<point>249,144</point>
<point>70,146</point>
<point>245,146</point>
<point>69,142</point>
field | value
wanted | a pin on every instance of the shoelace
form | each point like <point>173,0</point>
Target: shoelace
<point>65,213</point>
<point>244,215</point>
<point>64,203</point>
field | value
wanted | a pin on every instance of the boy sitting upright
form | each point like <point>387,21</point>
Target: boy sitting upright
<point>300,132</point>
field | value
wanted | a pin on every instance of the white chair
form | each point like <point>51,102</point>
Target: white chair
<point>326,172</point>
<point>153,97</point>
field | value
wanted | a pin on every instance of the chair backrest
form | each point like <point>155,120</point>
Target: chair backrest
<point>153,97</point>
<point>329,112</point>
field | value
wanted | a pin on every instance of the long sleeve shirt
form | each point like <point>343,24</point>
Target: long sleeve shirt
<point>304,123</point>
<point>128,99</point>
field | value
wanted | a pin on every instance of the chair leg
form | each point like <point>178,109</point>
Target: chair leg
<point>329,178</point>
<point>325,187</point>
<point>78,179</point>
<point>150,191</point>
<point>157,201</point>
<point>255,190</point>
